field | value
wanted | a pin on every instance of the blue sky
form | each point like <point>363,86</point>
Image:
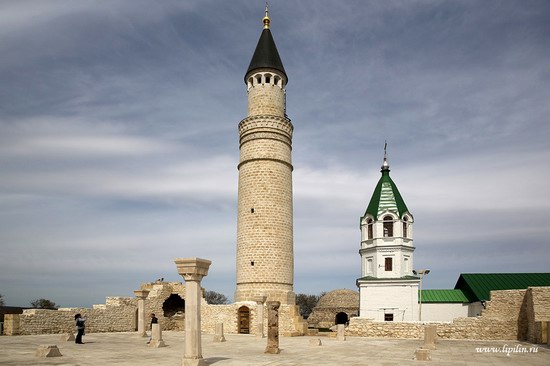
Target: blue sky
<point>119,143</point>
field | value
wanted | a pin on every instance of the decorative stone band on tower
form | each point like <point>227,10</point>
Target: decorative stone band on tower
<point>265,248</point>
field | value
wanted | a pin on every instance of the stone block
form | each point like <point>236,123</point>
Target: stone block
<point>430,335</point>
<point>156,337</point>
<point>423,354</point>
<point>315,342</point>
<point>341,332</point>
<point>69,337</point>
<point>48,351</point>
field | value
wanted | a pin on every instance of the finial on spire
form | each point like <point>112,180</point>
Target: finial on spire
<point>385,165</point>
<point>266,19</point>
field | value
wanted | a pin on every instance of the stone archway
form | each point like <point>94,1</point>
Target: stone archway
<point>172,305</point>
<point>243,320</point>
<point>341,318</point>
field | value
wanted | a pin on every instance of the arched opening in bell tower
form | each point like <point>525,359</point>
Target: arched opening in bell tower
<point>388,226</point>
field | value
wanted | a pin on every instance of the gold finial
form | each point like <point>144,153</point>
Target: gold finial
<point>266,19</point>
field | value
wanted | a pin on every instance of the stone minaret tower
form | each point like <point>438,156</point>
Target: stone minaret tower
<point>265,254</point>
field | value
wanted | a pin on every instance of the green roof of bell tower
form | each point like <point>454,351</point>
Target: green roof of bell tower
<point>386,196</point>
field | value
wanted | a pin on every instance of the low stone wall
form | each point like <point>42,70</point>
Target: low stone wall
<point>506,317</point>
<point>228,315</point>
<point>119,316</point>
<point>537,305</point>
<point>460,328</point>
<point>290,323</point>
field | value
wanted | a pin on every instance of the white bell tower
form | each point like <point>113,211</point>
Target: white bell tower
<point>388,288</point>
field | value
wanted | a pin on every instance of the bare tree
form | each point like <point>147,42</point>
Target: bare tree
<point>43,304</point>
<point>215,298</point>
<point>1,300</point>
<point>307,303</point>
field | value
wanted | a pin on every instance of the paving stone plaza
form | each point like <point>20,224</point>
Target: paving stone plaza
<point>248,350</point>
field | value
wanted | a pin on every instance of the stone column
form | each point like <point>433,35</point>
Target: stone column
<point>141,295</point>
<point>218,336</point>
<point>273,327</point>
<point>193,270</point>
<point>260,315</point>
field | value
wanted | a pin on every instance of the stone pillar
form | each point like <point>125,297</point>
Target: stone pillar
<point>260,315</point>
<point>273,327</point>
<point>430,335</point>
<point>341,332</point>
<point>156,336</point>
<point>193,270</point>
<point>11,324</point>
<point>141,295</point>
<point>218,336</point>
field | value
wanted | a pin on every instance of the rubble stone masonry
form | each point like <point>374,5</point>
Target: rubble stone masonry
<point>510,315</point>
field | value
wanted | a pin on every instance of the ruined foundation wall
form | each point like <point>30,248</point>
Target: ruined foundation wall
<point>537,305</point>
<point>501,319</point>
<point>117,315</point>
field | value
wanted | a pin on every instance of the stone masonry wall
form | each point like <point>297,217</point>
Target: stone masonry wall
<point>537,304</point>
<point>119,316</point>
<point>503,318</point>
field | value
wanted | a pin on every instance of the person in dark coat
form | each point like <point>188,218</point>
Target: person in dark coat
<point>79,322</point>
<point>154,320</point>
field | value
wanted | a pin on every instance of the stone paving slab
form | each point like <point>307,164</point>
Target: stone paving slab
<point>247,350</point>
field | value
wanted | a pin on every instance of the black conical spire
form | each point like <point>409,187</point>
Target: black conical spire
<point>266,54</point>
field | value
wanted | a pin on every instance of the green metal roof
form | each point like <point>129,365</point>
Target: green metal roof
<point>477,286</point>
<point>443,296</point>
<point>386,196</point>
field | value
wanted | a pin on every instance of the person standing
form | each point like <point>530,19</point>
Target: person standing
<point>154,320</point>
<point>79,322</point>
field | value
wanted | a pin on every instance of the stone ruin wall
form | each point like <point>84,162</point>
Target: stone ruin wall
<point>119,314</point>
<point>510,315</point>
<point>537,314</point>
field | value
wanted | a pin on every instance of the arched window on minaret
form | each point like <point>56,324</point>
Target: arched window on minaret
<point>405,227</point>
<point>369,229</point>
<point>388,226</point>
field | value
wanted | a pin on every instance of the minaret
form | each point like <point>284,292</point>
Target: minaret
<point>265,258</point>
<point>388,288</point>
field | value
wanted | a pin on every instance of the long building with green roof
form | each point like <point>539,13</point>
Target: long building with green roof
<point>471,292</point>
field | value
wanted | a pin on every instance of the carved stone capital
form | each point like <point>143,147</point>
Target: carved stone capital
<point>192,269</point>
<point>141,294</point>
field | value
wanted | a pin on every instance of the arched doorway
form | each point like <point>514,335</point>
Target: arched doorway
<point>173,304</point>
<point>341,318</point>
<point>244,320</point>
